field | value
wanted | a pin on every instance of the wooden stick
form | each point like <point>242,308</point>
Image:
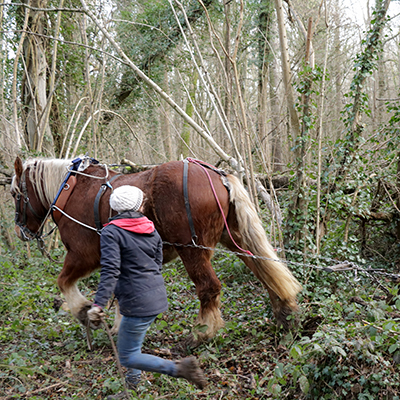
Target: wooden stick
<point>88,336</point>
<point>121,374</point>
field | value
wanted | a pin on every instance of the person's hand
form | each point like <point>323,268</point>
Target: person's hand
<point>95,314</point>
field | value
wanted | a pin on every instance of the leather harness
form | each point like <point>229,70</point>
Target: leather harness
<point>66,189</point>
<point>96,205</point>
<point>186,198</point>
<point>68,186</point>
<point>203,164</point>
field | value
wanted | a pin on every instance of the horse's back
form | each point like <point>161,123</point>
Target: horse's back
<point>166,201</point>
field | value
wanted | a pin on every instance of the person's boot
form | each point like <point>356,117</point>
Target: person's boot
<point>188,368</point>
<point>132,378</point>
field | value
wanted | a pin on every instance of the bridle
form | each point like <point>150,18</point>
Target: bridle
<point>22,197</point>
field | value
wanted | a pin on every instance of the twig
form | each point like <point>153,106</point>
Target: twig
<point>121,374</point>
<point>88,336</point>
<point>379,328</point>
<point>44,389</point>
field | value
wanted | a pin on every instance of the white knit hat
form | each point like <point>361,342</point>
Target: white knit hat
<point>126,198</point>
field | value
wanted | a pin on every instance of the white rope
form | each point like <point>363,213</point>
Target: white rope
<point>92,176</point>
<point>340,266</point>
<point>75,220</point>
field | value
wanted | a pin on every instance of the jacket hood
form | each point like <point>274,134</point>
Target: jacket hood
<point>133,222</point>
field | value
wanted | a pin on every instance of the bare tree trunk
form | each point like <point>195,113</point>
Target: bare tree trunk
<point>34,86</point>
<point>5,232</point>
<point>49,103</point>
<point>227,67</point>
<point>264,59</point>
<point>5,142</point>
<point>287,74</point>
<point>15,71</point>
<point>165,124</point>
<point>89,87</point>
<point>184,143</point>
<point>276,132</point>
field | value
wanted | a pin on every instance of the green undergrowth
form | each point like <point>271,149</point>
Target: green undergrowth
<point>346,345</point>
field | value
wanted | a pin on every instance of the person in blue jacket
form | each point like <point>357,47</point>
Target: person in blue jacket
<point>131,260</point>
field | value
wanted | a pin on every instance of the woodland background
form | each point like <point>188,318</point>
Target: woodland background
<point>301,99</point>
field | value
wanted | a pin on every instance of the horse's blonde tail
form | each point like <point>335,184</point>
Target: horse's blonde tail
<point>272,273</point>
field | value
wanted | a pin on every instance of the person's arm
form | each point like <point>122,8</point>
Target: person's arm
<point>110,267</point>
<point>159,253</point>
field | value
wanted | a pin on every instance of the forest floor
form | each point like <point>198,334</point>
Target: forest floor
<point>343,348</point>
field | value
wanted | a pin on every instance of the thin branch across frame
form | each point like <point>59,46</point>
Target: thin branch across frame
<point>68,42</point>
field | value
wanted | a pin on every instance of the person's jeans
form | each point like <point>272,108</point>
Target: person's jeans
<point>130,338</point>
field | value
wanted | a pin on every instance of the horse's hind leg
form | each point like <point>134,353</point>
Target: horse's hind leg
<point>67,282</point>
<point>208,287</point>
<point>282,308</point>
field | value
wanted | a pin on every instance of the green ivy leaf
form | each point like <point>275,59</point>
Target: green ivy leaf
<point>304,384</point>
<point>393,348</point>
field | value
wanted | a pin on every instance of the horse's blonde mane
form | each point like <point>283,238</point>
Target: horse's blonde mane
<point>46,177</point>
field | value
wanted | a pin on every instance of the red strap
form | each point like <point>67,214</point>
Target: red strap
<point>219,205</point>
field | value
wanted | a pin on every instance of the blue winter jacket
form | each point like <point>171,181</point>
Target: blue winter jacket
<point>131,266</point>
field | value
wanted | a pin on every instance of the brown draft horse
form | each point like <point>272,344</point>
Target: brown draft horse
<point>37,181</point>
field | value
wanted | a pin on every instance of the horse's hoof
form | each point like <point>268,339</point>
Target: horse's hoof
<point>287,320</point>
<point>195,340</point>
<point>191,342</point>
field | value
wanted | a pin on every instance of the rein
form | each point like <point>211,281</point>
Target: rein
<point>22,195</point>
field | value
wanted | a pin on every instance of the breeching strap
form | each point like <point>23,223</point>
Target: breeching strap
<point>186,198</point>
<point>219,204</point>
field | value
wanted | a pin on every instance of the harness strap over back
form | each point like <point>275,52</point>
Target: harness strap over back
<point>96,205</point>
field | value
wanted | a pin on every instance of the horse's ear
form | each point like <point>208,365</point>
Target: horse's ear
<point>18,166</point>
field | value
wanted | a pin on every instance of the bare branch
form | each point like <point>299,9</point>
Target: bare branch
<point>29,7</point>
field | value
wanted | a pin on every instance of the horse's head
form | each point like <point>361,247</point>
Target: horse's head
<point>29,209</point>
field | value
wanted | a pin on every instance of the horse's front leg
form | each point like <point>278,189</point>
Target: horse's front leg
<point>67,281</point>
